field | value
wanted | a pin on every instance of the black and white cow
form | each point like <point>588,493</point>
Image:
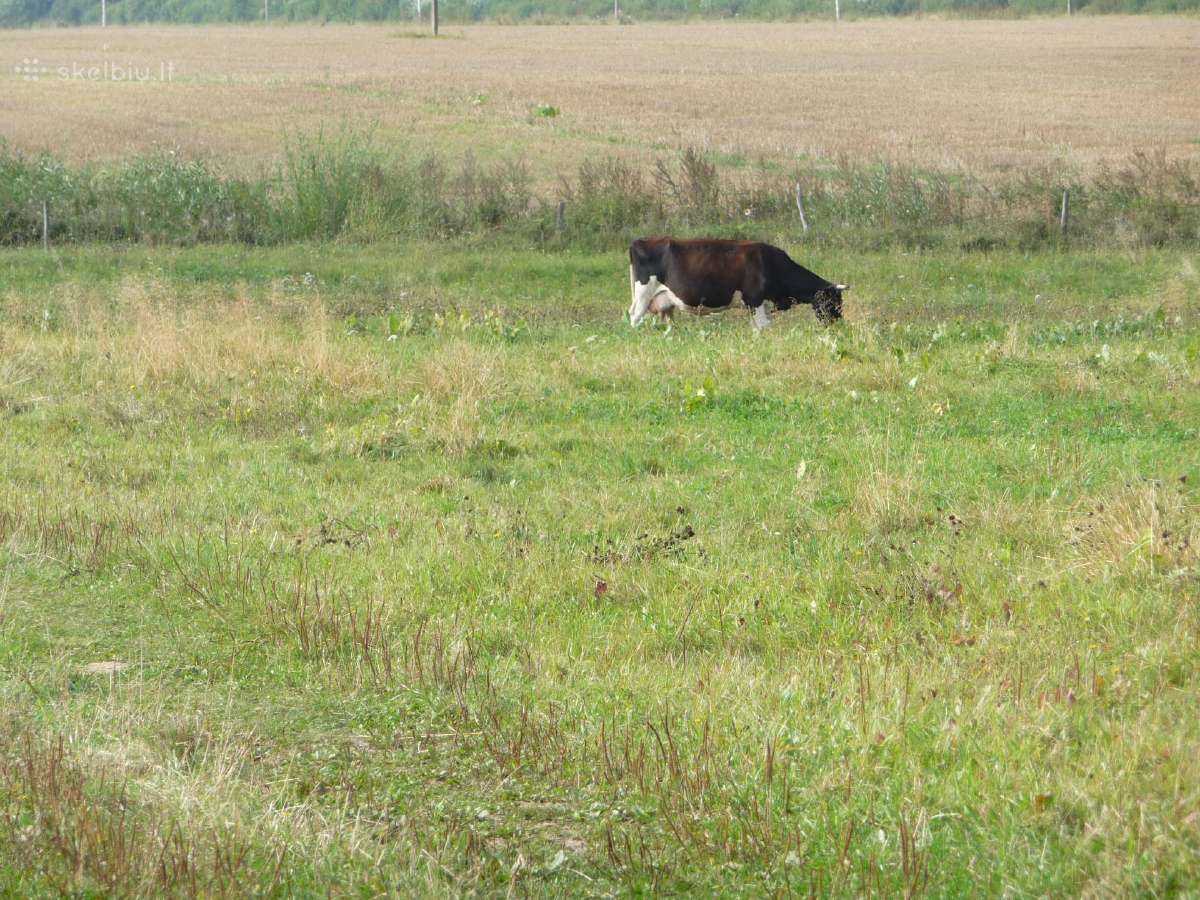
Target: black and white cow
<point>709,275</point>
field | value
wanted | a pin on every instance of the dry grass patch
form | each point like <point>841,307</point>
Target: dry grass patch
<point>148,336</point>
<point>1148,528</point>
<point>1074,378</point>
<point>15,363</point>
<point>81,829</point>
<point>460,381</point>
<point>887,494</point>
<point>75,537</point>
<point>784,360</point>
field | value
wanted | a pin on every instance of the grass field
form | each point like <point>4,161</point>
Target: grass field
<point>340,570</point>
<point>977,96</point>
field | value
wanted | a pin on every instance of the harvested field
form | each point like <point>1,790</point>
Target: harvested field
<point>981,95</point>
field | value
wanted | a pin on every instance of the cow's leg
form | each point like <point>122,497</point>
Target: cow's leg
<point>643,294</point>
<point>761,320</point>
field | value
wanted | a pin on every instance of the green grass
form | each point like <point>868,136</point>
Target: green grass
<point>433,576</point>
<point>344,184</point>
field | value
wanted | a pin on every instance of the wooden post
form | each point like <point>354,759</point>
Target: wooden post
<point>1068,7</point>
<point>800,209</point>
<point>837,10</point>
<point>1064,216</point>
<point>616,9</point>
<point>560,219</point>
<point>267,11</point>
<point>45,224</point>
<point>434,16</point>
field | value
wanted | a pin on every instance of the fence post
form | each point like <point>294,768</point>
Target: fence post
<point>45,224</point>
<point>560,218</point>
<point>1064,215</point>
<point>800,209</point>
<point>434,17</point>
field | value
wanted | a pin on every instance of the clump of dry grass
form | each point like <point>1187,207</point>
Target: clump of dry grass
<point>778,358</point>
<point>73,537</point>
<point>325,624</point>
<point>1147,528</point>
<point>887,495</point>
<point>149,335</point>
<point>81,829</point>
<point>460,382</point>
<point>1074,378</point>
<point>15,367</point>
<point>886,500</point>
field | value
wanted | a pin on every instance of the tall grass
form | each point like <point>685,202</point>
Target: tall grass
<point>341,184</point>
<point>322,181</point>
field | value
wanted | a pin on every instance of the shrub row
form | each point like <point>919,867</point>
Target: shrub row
<point>344,186</point>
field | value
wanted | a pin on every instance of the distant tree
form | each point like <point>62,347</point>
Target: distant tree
<point>24,12</point>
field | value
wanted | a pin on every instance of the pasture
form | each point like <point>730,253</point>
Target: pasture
<point>380,566</point>
<point>429,575</point>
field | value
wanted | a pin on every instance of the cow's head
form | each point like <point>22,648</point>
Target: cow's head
<point>827,303</point>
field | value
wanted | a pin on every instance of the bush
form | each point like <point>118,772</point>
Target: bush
<point>340,185</point>
<point>322,179</point>
<point>610,200</point>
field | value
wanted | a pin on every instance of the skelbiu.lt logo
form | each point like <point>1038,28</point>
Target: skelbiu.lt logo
<point>108,70</point>
<point>31,70</point>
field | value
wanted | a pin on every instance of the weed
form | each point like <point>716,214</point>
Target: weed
<point>342,184</point>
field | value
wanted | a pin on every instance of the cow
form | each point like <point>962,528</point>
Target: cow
<point>704,276</point>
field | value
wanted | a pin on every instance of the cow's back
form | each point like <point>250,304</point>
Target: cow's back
<point>712,273</point>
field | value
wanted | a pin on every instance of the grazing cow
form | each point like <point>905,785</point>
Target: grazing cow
<point>705,276</point>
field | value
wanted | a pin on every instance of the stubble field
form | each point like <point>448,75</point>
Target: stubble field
<point>407,568</point>
<point>975,95</point>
